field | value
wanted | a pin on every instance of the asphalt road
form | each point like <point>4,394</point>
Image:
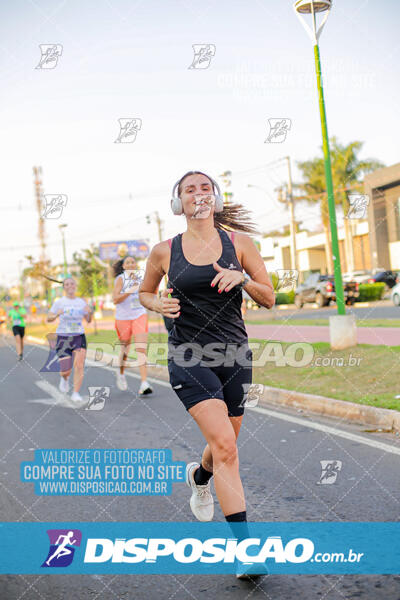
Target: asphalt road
<point>279,463</point>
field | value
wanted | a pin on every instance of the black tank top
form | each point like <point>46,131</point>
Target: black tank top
<point>206,316</point>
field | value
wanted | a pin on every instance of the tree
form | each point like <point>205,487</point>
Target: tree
<point>43,271</point>
<point>92,280</point>
<point>347,174</point>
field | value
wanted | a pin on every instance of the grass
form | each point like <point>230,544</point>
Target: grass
<point>372,380</point>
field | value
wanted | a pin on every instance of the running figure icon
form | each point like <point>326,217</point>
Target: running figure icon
<point>62,549</point>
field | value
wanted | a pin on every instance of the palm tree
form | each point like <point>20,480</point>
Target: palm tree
<point>347,174</point>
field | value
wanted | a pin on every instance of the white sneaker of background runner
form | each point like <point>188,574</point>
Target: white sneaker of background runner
<point>145,388</point>
<point>122,384</point>
<point>201,501</point>
<point>76,397</point>
<point>63,385</point>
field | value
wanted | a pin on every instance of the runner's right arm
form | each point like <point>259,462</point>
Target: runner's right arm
<point>148,290</point>
<point>117,296</point>
<point>54,313</point>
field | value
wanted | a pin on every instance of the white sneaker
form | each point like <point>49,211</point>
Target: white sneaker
<point>201,501</point>
<point>249,576</point>
<point>122,384</point>
<point>63,385</point>
<point>251,572</point>
<point>76,397</point>
<point>145,388</point>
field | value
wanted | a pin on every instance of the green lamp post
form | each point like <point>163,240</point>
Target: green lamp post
<point>311,7</point>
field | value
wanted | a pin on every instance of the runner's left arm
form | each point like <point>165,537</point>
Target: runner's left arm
<point>87,313</point>
<point>260,287</point>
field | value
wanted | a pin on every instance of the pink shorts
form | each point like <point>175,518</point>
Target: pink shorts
<point>127,328</point>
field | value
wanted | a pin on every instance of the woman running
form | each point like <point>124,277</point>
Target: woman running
<point>71,340</point>
<point>204,297</point>
<point>17,314</point>
<point>130,319</point>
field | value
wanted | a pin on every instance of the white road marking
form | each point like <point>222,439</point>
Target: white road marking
<point>278,415</point>
<point>94,363</point>
<point>56,397</point>
<point>326,429</point>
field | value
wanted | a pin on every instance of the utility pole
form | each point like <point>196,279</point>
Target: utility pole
<point>95,290</point>
<point>293,248</point>
<point>61,228</point>
<point>21,287</point>
<point>37,172</point>
<point>159,223</point>
<point>227,179</point>
<point>160,232</point>
<point>159,226</point>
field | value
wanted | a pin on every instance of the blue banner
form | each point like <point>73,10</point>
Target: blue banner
<point>103,472</point>
<point>200,548</point>
<point>117,250</point>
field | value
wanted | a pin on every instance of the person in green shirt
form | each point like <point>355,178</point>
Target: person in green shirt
<point>16,315</point>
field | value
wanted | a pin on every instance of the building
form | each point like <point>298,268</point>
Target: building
<point>311,254</point>
<point>383,188</point>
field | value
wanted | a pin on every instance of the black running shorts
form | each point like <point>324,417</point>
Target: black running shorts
<point>18,330</point>
<point>196,382</point>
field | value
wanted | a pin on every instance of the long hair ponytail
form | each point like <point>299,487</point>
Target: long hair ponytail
<point>234,217</point>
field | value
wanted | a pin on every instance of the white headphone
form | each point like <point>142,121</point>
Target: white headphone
<point>176,202</point>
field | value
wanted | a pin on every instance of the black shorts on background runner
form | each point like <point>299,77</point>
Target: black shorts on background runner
<point>18,330</point>
<point>66,344</point>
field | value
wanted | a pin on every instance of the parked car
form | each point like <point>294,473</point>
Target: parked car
<point>357,276</point>
<point>395,294</point>
<point>321,289</point>
<point>388,277</point>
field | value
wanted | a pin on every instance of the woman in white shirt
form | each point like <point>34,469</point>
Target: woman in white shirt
<point>130,320</point>
<point>71,340</point>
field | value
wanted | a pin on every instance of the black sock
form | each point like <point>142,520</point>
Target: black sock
<point>201,476</point>
<point>238,524</point>
<point>237,517</point>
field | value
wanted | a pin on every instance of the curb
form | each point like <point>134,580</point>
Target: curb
<point>314,305</point>
<point>383,418</point>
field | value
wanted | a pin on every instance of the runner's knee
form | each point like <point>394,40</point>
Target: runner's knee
<point>224,448</point>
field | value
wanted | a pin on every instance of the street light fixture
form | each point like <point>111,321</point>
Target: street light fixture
<point>61,228</point>
<point>311,7</point>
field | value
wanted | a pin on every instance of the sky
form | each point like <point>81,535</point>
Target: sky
<point>125,59</point>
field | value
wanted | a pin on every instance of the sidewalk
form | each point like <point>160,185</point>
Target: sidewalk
<point>376,336</point>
